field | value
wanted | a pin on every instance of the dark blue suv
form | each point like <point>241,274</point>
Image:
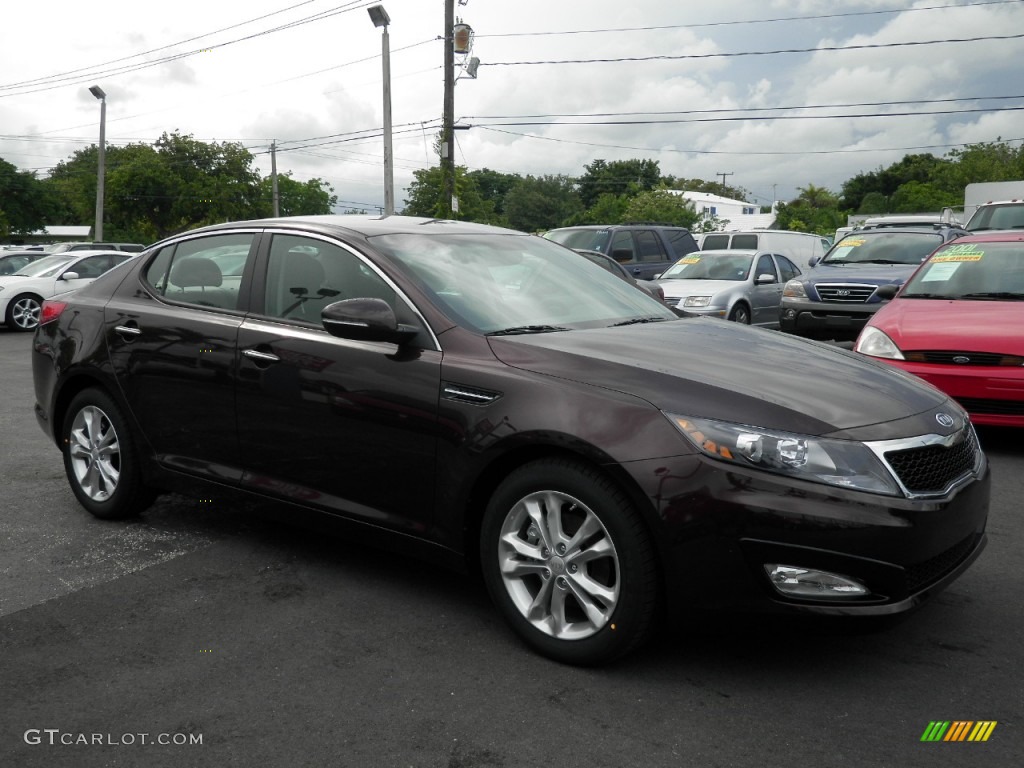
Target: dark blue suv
<point>836,297</point>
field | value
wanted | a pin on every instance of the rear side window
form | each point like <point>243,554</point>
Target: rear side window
<point>788,269</point>
<point>744,242</point>
<point>206,271</point>
<point>681,242</point>
<point>715,242</point>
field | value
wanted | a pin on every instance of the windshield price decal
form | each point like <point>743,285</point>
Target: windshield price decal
<point>690,260</point>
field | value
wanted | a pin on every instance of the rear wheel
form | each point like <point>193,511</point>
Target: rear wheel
<point>23,312</point>
<point>100,458</point>
<point>740,314</point>
<point>569,563</point>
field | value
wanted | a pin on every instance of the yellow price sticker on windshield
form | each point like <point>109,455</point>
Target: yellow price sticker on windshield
<point>690,260</point>
<point>850,243</point>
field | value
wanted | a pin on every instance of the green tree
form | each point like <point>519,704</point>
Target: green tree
<point>618,177</point>
<point>26,204</point>
<point>296,198</point>
<point>426,197</point>
<point>815,210</point>
<point>541,203</point>
<point>494,186</point>
<point>662,206</point>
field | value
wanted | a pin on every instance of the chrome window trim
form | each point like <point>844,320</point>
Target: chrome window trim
<point>345,246</point>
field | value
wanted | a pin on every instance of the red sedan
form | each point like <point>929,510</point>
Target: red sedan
<point>958,323</point>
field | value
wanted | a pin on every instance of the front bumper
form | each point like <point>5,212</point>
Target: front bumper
<point>992,396</point>
<point>724,526</point>
<point>818,318</point>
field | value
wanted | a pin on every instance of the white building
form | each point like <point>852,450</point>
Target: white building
<point>732,215</point>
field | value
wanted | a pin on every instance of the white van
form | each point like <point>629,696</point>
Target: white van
<point>799,247</point>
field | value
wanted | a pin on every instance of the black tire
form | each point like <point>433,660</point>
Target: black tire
<point>589,580</point>
<point>100,458</point>
<point>23,312</point>
<point>740,314</point>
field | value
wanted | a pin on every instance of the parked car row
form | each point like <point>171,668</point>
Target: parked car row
<point>497,402</point>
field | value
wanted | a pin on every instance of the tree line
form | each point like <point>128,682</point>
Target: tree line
<point>179,183</point>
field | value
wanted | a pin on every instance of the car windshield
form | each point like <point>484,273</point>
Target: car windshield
<point>586,239</point>
<point>517,283</point>
<point>880,247</point>
<point>1009,216</point>
<point>982,271</point>
<point>46,266</point>
<point>710,265</point>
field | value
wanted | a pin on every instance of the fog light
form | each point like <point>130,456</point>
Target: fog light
<point>789,314</point>
<point>805,582</point>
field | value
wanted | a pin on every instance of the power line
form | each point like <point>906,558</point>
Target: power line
<point>691,56</point>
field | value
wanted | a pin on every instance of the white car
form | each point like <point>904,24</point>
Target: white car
<point>22,294</point>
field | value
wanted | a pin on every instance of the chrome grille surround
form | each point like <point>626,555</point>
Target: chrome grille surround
<point>932,465</point>
<point>849,293</point>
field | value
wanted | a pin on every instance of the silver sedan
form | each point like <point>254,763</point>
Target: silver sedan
<point>740,285</point>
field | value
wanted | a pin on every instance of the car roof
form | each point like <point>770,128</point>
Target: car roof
<point>728,252</point>
<point>993,236</point>
<point>367,226</point>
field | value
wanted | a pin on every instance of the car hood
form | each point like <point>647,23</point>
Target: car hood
<point>673,287</point>
<point>717,369</point>
<point>954,326</point>
<point>876,274</point>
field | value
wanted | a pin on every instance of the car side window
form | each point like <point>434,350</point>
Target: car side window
<point>622,244</point>
<point>787,268</point>
<point>91,267</point>
<point>206,271</point>
<point>304,275</point>
<point>649,246</point>
<point>765,266</point>
<point>681,242</point>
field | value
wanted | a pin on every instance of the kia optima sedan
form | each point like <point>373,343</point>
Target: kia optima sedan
<point>491,400</point>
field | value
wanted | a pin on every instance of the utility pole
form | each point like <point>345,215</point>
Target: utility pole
<point>723,175</point>
<point>273,178</point>
<point>448,119</point>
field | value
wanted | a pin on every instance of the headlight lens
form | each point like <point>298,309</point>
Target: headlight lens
<point>696,301</point>
<point>794,290</point>
<point>877,343</point>
<point>843,463</point>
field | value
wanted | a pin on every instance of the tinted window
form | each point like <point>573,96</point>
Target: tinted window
<point>649,246</point>
<point>715,242</point>
<point>788,269</point>
<point>744,241</point>
<point>623,241</point>
<point>93,266</point>
<point>206,271</point>
<point>584,239</point>
<point>681,242</point>
<point>305,275</point>
<point>13,264</point>
<point>765,266</point>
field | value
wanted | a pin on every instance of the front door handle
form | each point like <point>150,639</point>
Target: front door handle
<point>261,357</point>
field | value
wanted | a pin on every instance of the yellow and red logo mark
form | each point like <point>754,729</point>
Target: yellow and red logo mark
<point>958,730</point>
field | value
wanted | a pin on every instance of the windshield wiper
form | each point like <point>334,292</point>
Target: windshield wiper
<point>994,295</point>
<point>637,320</point>
<point>520,329</point>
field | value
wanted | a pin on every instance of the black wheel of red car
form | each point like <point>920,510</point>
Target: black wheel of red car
<point>740,314</point>
<point>100,458</point>
<point>569,562</point>
<point>23,312</point>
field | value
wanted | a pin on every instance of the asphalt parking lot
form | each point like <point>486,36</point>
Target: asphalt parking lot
<point>203,635</point>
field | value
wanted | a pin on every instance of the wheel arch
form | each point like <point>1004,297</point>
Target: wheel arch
<point>488,480</point>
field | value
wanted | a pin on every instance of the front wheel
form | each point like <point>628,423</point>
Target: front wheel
<point>100,458</point>
<point>740,314</point>
<point>569,563</point>
<point>23,312</point>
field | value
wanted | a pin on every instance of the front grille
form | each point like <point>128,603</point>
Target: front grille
<point>673,301</point>
<point>853,293</point>
<point>932,469</point>
<point>992,407</point>
<point>921,575</point>
<point>963,358</point>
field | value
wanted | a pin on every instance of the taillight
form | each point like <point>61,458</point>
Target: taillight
<point>51,311</point>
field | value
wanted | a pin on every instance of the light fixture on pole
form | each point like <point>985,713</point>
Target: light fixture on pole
<point>101,163</point>
<point>380,18</point>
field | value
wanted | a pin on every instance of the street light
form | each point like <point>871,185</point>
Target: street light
<point>380,18</point>
<point>99,94</point>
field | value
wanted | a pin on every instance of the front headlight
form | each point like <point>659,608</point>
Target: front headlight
<point>696,301</point>
<point>877,343</point>
<point>794,290</point>
<point>843,463</point>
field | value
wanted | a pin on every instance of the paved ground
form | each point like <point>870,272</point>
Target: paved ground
<point>277,647</point>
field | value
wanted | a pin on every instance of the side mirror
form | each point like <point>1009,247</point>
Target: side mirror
<point>69,276</point>
<point>887,292</point>
<point>365,320</point>
<point>813,260</point>
<point>764,279</point>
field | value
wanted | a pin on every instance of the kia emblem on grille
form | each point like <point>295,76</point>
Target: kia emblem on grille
<point>842,293</point>
<point>945,420</point>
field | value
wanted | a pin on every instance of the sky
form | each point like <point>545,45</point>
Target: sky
<point>769,96</point>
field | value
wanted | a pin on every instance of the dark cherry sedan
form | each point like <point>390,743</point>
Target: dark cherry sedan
<point>493,401</point>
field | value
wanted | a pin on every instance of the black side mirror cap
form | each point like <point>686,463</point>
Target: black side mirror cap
<point>365,320</point>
